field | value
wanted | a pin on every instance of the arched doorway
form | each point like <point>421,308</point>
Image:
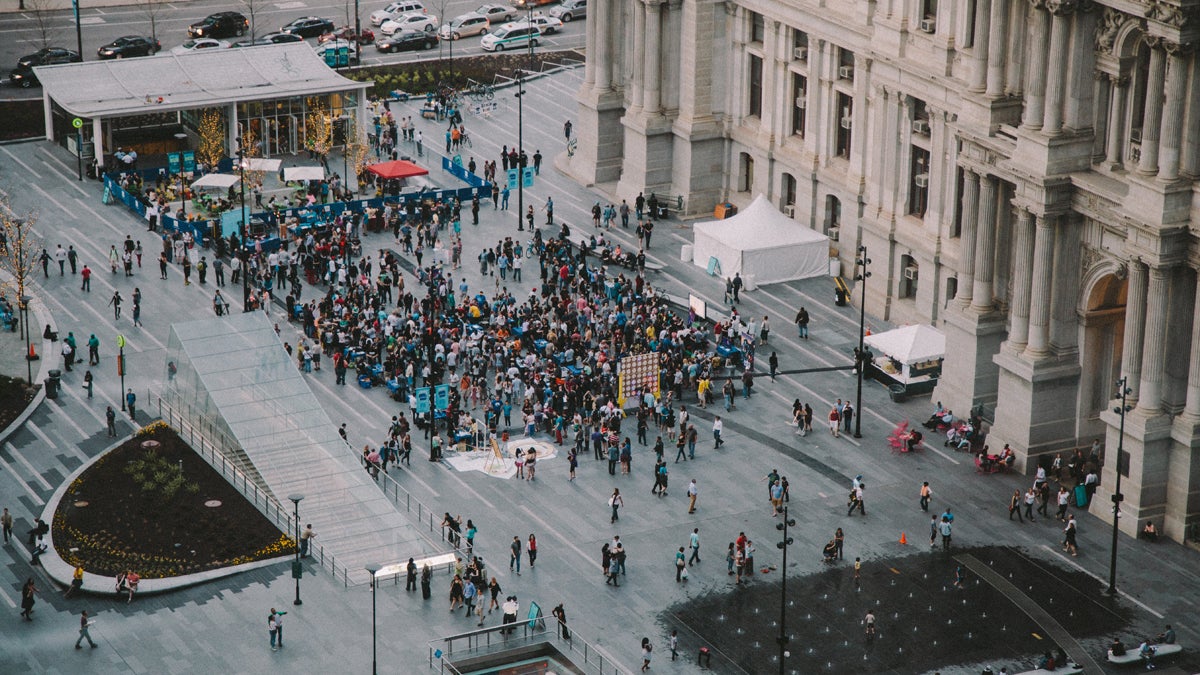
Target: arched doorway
<point>1103,326</point>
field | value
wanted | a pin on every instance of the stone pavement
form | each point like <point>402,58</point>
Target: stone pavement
<point>177,632</point>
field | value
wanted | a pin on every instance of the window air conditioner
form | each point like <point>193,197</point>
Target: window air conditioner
<point>800,53</point>
<point>846,72</point>
<point>847,122</point>
<point>928,25</point>
<point>921,180</point>
<point>910,272</point>
<point>802,100</point>
<point>921,127</point>
<point>790,210</point>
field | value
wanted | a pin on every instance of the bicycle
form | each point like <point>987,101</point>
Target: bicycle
<point>481,92</point>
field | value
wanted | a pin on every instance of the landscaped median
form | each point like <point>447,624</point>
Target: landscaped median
<point>151,505</point>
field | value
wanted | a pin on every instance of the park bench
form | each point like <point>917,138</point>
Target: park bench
<point>396,570</point>
<point>1133,656</point>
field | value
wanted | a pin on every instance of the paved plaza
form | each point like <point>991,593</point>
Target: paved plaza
<point>1011,568</point>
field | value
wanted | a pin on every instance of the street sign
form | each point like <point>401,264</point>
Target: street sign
<point>120,342</point>
<point>527,176</point>
<point>173,162</point>
<point>422,396</point>
<point>441,397</point>
<point>512,179</point>
<point>77,123</point>
<point>189,161</point>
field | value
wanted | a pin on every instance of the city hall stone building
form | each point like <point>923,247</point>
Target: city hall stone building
<point>1023,173</point>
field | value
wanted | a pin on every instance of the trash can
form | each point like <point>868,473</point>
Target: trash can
<point>839,296</point>
<point>1081,495</point>
<point>685,252</point>
<point>53,382</point>
<point>898,393</point>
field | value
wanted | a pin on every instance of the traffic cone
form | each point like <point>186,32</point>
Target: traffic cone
<point>903,539</point>
<point>32,354</point>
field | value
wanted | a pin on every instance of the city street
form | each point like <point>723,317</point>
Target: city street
<point>21,33</point>
<point>219,627</point>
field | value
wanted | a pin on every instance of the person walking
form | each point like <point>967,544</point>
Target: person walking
<point>834,419</point>
<point>856,500</point>
<point>695,545</point>
<point>847,416</point>
<point>115,303</point>
<point>945,529</point>
<point>933,531</point>
<point>28,591</point>
<point>272,628</point>
<point>1069,543</point>
<point>112,422</point>
<point>1064,498</point>
<point>130,400</point>
<point>86,275</point>
<point>84,624</point>
<point>532,548</point>
<point>1030,498</point>
<point>926,495</point>
<point>693,492</point>
<point>514,557</point>
<point>278,625</point>
<point>1014,505</point>
<point>616,502</point>
<point>6,523</point>
<point>801,322</point>
<point>647,650</point>
<point>716,430</point>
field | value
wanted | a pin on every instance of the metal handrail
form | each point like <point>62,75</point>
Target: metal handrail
<point>265,502</point>
<point>532,630</point>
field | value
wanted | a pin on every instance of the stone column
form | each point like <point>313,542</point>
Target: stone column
<point>1172,118</point>
<point>1135,326</point>
<point>1060,38</point>
<point>652,80</point>
<point>1152,121</point>
<point>1043,269</point>
<point>1154,357</point>
<point>1192,409</point>
<point>1191,134</point>
<point>1115,146</point>
<point>979,72</point>
<point>997,44</point>
<point>639,54</point>
<point>985,244</point>
<point>589,44</point>
<point>970,215</point>
<point>603,18</point>
<point>1018,332</point>
<point>1035,89</point>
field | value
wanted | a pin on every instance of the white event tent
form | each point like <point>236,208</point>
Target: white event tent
<point>763,245</point>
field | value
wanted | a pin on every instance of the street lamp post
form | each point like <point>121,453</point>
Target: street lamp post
<point>297,571</point>
<point>860,354</point>
<point>783,638</point>
<point>1123,392</point>
<point>24,307</point>
<point>520,149</point>
<point>373,568</point>
<point>121,367</point>
<point>241,155</point>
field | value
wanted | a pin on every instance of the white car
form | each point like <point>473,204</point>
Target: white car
<point>497,14</point>
<point>414,22</point>
<point>463,26</point>
<point>395,9</point>
<point>548,25</point>
<point>199,44</point>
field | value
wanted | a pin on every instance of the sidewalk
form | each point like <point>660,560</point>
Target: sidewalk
<point>32,7</point>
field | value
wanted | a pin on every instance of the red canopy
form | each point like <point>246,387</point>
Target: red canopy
<point>397,169</point>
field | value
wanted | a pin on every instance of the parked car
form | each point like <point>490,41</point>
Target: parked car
<point>347,33</point>
<point>497,14</point>
<point>308,26</point>
<point>396,9</point>
<point>463,26</point>
<point>130,45</point>
<point>220,25</point>
<point>270,39</point>
<point>334,45</point>
<point>510,36</point>
<point>569,10</point>
<point>23,75</point>
<point>199,45</point>
<point>415,21</point>
<point>548,25</point>
<point>407,41</point>
<point>526,4</point>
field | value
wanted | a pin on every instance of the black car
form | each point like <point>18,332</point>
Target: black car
<point>220,25</point>
<point>130,45</point>
<point>23,75</point>
<point>408,41</point>
<point>270,39</point>
<point>308,26</point>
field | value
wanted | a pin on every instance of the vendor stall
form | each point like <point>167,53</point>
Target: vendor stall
<point>303,173</point>
<point>909,358</point>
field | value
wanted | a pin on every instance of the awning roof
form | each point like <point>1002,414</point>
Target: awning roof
<point>397,169</point>
<point>209,77</point>
<point>215,180</point>
<point>303,173</point>
<point>910,344</point>
<point>261,164</point>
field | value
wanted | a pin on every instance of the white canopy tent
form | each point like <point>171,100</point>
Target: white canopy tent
<point>909,346</point>
<point>222,181</point>
<point>292,173</point>
<point>763,245</point>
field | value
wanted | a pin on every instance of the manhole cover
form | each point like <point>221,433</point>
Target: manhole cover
<point>81,503</point>
<point>213,503</point>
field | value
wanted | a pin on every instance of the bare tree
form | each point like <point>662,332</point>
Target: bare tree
<point>20,249</point>
<point>251,8</point>
<point>152,9</point>
<point>43,22</point>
